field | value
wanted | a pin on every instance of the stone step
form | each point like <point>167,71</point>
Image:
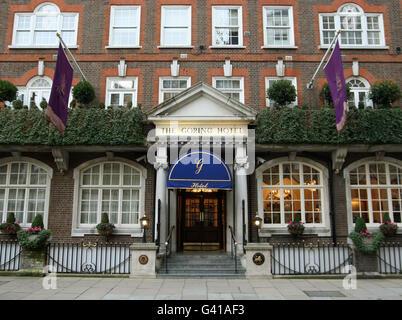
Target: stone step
<point>201,276</point>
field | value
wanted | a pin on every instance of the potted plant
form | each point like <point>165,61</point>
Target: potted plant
<point>8,92</point>
<point>10,226</point>
<point>105,228</point>
<point>282,92</point>
<point>387,227</point>
<point>364,241</point>
<point>35,237</point>
<point>296,227</point>
<point>83,93</point>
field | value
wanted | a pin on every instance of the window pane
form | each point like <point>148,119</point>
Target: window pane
<point>125,37</point>
<point>45,38</point>
<point>126,17</point>
<point>3,174</point>
<point>175,36</point>
<point>24,22</point>
<point>46,22</point>
<point>176,16</point>
<point>22,37</point>
<point>226,36</point>
<point>226,17</point>
<point>68,22</point>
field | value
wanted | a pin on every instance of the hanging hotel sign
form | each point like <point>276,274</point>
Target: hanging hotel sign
<point>199,170</point>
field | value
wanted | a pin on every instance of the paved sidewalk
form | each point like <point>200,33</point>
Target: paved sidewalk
<point>81,288</point>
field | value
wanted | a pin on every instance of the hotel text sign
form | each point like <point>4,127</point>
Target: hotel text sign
<point>203,130</point>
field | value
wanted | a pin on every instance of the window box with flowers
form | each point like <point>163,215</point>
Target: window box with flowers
<point>105,228</point>
<point>35,237</point>
<point>296,227</point>
<point>10,226</point>
<point>387,227</point>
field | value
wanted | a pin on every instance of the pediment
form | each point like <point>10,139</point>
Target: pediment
<point>201,102</point>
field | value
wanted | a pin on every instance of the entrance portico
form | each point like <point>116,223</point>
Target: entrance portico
<point>201,118</point>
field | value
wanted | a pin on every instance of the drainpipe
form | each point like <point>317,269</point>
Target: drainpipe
<point>331,200</point>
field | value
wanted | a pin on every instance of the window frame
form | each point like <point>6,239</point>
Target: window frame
<point>33,16</point>
<point>78,229</point>
<point>111,27</point>
<point>371,226</point>
<point>322,228</point>
<point>291,27</point>
<point>109,90</point>
<point>240,26</point>
<point>29,161</point>
<point>189,26</point>
<point>241,90</point>
<point>294,82</point>
<point>162,91</point>
<point>354,91</point>
<point>364,31</point>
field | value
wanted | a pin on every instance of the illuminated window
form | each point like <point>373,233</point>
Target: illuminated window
<point>375,187</point>
<point>291,190</point>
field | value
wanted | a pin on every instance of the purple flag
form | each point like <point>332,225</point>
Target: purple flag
<point>57,108</point>
<point>336,81</point>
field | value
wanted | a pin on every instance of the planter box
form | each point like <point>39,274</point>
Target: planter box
<point>33,261</point>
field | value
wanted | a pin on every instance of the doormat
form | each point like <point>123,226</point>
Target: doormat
<point>326,294</point>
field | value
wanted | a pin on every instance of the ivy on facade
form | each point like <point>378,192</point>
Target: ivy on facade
<point>299,126</point>
<point>85,126</point>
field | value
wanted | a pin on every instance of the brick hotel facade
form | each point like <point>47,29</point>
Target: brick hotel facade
<point>201,53</point>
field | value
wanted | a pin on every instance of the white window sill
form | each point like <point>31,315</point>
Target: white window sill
<point>123,47</point>
<point>175,47</point>
<point>357,47</point>
<point>133,232</point>
<point>279,47</point>
<point>227,47</point>
<point>320,230</point>
<point>40,47</point>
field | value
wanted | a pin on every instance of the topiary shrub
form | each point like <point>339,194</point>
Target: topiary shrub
<point>84,92</point>
<point>384,94</point>
<point>365,242</point>
<point>37,222</point>
<point>282,92</point>
<point>105,228</point>
<point>8,91</point>
<point>35,237</point>
<point>18,104</point>
<point>43,104</point>
<point>325,95</point>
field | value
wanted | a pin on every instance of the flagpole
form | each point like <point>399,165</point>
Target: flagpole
<point>310,84</point>
<point>71,55</point>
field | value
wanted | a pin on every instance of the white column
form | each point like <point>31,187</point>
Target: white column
<point>241,165</point>
<point>161,167</point>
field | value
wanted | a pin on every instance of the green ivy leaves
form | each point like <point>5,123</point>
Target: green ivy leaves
<point>85,126</point>
<point>297,126</point>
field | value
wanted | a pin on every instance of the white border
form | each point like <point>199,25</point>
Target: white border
<point>41,165</point>
<point>372,227</point>
<point>322,229</point>
<point>79,231</point>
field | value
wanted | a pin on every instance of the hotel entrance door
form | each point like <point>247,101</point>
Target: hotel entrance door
<point>202,220</point>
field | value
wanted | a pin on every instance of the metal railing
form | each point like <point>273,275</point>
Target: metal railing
<point>233,246</point>
<point>168,248</point>
<point>10,252</point>
<point>390,258</point>
<point>87,257</point>
<point>310,258</point>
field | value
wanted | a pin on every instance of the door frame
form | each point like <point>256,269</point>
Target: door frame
<point>181,196</point>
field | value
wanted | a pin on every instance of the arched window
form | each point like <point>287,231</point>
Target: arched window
<point>36,90</point>
<point>359,88</point>
<point>359,29</point>
<point>24,189</point>
<point>116,187</point>
<point>373,188</point>
<point>292,189</point>
<point>38,28</point>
